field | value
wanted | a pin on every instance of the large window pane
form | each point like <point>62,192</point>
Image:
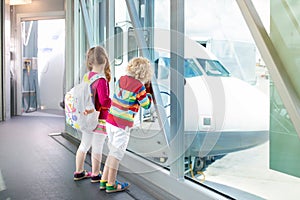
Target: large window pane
<point>285,34</point>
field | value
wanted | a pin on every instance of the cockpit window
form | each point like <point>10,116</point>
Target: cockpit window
<point>213,67</point>
<point>162,68</point>
<point>191,69</point>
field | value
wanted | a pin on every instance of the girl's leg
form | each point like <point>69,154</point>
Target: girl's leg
<point>80,158</point>
<point>105,171</point>
<point>85,144</point>
<point>97,147</point>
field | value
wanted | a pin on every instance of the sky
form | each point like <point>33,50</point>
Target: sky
<point>217,19</point>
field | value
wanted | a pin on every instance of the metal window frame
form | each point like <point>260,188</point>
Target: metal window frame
<point>177,89</point>
<point>2,106</point>
<point>145,52</point>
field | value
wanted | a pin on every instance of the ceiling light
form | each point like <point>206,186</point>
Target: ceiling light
<point>20,2</point>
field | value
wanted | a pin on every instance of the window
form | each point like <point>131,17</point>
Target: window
<point>162,69</point>
<point>213,67</point>
<point>118,45</point>
<point>132,44</point>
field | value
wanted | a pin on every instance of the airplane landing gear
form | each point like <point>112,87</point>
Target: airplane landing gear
<point>199,164</point>
<point>194,164</point>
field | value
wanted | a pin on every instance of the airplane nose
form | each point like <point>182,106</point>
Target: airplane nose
<point>246,107</point>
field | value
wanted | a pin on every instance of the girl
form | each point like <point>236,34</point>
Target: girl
<point>130,94</point>
<point>97,63</point>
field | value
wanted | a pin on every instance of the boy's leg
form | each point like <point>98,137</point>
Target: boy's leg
<point>113,166</point>
<point>117,148</point>
<point>105,171</point>
<point>104,177</point>
<point>110,135</point>
<point>112,184</point>
<point>110,170</point>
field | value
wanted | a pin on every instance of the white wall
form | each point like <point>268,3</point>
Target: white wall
<point>38,6</point>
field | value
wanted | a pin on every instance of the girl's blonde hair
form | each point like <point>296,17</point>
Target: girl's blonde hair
<point>98,55</point>
<point>140,68</point>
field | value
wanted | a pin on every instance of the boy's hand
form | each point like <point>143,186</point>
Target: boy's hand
<point>149,96</point>
<point>148,87</point>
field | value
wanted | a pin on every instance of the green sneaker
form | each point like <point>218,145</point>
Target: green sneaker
<point>114,188</point>
<point>103,184</point>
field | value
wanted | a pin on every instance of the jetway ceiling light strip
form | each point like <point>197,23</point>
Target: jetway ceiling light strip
<point>19,2</point>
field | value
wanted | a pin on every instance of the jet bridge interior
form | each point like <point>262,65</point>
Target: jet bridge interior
<point>200,111</point>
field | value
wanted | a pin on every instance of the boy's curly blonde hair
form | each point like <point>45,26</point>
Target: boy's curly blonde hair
<point>140,68</point>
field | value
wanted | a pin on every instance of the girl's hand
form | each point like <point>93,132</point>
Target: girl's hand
<point>86,112</point>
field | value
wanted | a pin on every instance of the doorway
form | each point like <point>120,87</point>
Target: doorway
<point>43,64</point>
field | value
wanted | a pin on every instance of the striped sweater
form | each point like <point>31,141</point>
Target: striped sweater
<point>129,95</point>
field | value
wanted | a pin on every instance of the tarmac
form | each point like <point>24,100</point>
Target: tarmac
<point>248,171</point>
